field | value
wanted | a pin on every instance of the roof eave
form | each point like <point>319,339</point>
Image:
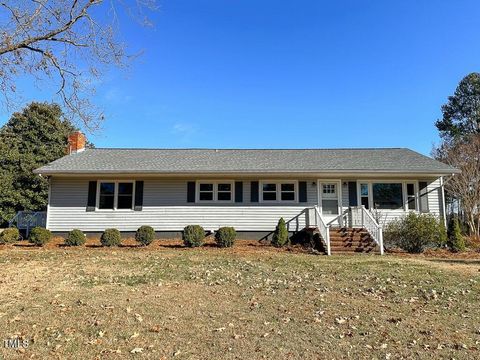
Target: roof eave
<point>346,172</point>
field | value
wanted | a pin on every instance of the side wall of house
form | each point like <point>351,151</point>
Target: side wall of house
<point>165,208</point>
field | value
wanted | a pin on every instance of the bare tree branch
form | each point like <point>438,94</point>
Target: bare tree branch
<point>464,155</point>
<point>64,41</point>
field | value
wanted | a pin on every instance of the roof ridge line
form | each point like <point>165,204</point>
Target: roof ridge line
<point>256,149</point>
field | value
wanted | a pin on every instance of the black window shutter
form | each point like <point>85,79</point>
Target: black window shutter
<point>352,193</point>
<point>191,191</point>
<point>238,191</point>
<point>302,191</point>
<point>423,197</point>
<point>92,196</point>
<point>254,191</point>
<point>138,196</point>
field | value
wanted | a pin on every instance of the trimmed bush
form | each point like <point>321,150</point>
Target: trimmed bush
<point>39,236</point>
<point>442,235</point>
<point>75,238</point>
<point>9,235</point>
<point>225,236</point>
<point>280,236</point>
<point>456,241</point>
<point>193,235</point>
<point>414,232</point>
<point>145,235</point>
<point>111,237</point>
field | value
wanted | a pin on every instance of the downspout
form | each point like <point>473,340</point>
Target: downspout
<point>48,201</point>
<point>444,211</point>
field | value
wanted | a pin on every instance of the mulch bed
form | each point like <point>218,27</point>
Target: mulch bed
<point>241,246</point>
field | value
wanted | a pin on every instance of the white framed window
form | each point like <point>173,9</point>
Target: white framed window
<point>389,194</point>
<point>279,191</point>
<point>411,196</point>
<point>224,191</point>
<point>214,191</point>
<point>328,189</point>
<point>269,191</point>
<point>364,195</point>
<point>287,192</point>
<point>206,192</point>
<point>115,194</point>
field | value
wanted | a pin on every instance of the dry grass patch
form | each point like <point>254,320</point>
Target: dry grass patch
<point>249,302</point>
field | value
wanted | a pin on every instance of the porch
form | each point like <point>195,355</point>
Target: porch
<point>354,230</point>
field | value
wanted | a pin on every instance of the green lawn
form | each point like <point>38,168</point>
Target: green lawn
<point>245,303</point>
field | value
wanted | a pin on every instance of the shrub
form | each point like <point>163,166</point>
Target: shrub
<point>9,235</point>
<point>75,238</point>
<point>442,239</point>
<point>414,232</point>
<point>456,241</point>
<point>193,235</point>
<point>145,235</point>
<point>111,237</point>
<point>225,236</point>
<point>280,236</point>
<point>39,236</point>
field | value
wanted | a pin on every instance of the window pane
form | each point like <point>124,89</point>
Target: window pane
<point>288,187</point>
<point>206,187</point>
<point>206,196</point>
<point>364,189</point>
<point>269,187</point>
<point>125,188</point>
<point>224,187</point>
<point>224,196</point>
<point>365,201</point>
<point>105,202</point>
<point>329,189</point>
<point>124,202</point>
<point>287,196</point>
<point>411,203</point>
<point>269,196</point>
<point>410,189</point>
<point>387,196</point>
<point>107,188</point>
<point>330,207</point>
<point>106,199</point>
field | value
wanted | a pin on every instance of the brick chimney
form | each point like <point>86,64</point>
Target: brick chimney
<point>76,143</point>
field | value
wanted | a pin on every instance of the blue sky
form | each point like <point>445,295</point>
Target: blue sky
<point>288,74</point>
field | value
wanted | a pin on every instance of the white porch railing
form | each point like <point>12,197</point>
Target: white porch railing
<point>362,218</point>
<point>353,217</point>
<point>323,228</point>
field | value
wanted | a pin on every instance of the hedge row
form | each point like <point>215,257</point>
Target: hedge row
<point>193,236</point>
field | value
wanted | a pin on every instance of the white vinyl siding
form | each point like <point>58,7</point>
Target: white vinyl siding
<point>165,207</point>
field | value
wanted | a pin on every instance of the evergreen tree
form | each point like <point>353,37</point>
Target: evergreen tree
<point>461,114</point>
<point>31,138</point>
<point>280,236</point>
<point>456,241</point>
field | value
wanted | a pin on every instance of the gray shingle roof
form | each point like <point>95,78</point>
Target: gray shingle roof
<point>178,161</point>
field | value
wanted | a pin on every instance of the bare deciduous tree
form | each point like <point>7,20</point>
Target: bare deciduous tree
<point>64,43</point>
<point>464,155</point>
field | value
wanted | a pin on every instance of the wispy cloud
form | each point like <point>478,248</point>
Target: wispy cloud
<point>184,131</point>
<point>116,95</point>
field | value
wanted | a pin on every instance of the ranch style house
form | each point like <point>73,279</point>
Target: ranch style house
<point>250,189</point>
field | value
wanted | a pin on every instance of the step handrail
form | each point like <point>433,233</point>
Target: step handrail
<point>373,227</point>
<point>324,228</point>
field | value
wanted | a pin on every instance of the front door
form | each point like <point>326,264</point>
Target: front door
<point>329,198</point>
